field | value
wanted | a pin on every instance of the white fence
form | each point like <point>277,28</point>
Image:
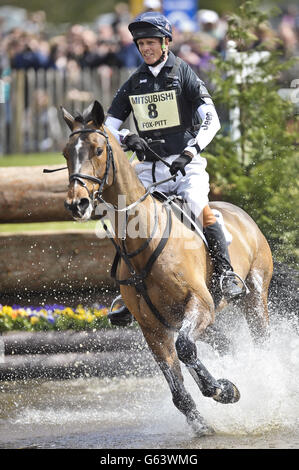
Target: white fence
<point>30,120</point>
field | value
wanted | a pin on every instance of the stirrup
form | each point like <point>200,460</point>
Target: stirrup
<point>121,317</point>
<point>233,274</point>
<point>117,299</point>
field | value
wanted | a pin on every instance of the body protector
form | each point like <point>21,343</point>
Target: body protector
<point>163,107</point>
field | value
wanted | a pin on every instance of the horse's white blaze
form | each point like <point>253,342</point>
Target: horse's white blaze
<point>78,145</point>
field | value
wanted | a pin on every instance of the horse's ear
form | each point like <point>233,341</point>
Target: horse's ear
<point>97,114</point>
<point>68,118</point>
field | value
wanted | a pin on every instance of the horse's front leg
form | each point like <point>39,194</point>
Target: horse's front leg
<point>198,316</point>
<point>162,346</point>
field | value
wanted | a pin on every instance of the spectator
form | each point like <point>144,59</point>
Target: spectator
<point>121,15</point>
<point>152,5</point>
<point>127,54</point>
<point>288,31</point>
<point>108,43</point>
<point>208,22</point>
<point>58,52</point>
<point>29,54</point>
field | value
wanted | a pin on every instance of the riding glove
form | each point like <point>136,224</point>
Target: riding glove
<point>179,163</point>
<point>136,144</point>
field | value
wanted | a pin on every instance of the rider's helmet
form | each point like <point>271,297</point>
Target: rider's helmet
<point>151,24</point>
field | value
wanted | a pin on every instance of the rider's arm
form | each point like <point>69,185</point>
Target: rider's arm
<point>113,125</point>
<point>196,92</point>
<point>208,129</point>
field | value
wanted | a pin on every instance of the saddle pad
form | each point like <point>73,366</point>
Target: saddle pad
<point>178,206</point>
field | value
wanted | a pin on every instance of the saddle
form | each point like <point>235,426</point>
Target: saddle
<point>182,211</point>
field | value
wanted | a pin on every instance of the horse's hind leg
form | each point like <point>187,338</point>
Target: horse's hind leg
<point>161,344</point>
<point>255,304</point>
<point>198,316</point>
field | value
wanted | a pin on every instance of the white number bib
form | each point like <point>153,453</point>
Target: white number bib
<point>158,110</point>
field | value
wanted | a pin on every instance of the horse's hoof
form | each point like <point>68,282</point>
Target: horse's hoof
<point>227,393</point>
<point>199,426</point>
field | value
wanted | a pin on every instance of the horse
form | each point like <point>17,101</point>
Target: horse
<point>165,284</point>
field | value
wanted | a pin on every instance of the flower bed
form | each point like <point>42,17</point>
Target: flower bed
<point>52,317</point>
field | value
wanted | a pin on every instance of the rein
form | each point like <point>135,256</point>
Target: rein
<point>136,280</point>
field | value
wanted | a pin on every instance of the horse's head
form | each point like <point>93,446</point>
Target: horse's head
<point>89,159</point>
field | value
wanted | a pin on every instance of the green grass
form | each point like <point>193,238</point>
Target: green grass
<point>45,226</point>
<point>32,159</point>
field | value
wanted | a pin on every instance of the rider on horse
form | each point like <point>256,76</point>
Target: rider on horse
<point>168,102</point>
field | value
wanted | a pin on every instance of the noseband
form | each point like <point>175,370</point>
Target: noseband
<point>109,161</point>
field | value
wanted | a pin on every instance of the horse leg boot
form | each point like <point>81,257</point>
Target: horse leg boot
<point>221,260</point>
<point>221,390</point>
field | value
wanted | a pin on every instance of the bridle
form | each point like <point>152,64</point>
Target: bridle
<point>136,279</point>
<point>97,195</point>
<point>109,161</point>
<point>82,176</point>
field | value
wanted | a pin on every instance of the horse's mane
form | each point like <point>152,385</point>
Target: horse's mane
<point>85,117</point>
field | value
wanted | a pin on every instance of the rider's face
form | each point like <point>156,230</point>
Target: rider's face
<point>150,49</point>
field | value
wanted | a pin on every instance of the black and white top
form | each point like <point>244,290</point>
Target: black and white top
<point>168,102</point>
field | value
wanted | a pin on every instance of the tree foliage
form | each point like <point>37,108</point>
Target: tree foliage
<point>258,170</point>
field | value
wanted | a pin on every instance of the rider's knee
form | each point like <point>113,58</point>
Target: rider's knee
<point>208,217</point>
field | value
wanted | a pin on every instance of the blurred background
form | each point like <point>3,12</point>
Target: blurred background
<point>60,53</point>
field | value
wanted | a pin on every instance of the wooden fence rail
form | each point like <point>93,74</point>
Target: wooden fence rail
<point>29,195</point>
<point>30,120</point>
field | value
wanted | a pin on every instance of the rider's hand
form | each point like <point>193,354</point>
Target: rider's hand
<point>136,144</point>
<point>179,163</point>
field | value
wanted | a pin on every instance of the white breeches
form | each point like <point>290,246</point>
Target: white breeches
<point>194,187</point>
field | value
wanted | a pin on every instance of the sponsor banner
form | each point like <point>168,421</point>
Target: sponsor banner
<point>181,13</point>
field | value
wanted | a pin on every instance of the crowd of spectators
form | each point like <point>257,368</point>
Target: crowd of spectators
<point>108,42</point>
<point>29,42</point>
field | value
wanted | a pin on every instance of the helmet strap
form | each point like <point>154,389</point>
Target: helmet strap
<point>162,58</point>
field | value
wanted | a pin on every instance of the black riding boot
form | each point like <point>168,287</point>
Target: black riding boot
<point>120,317</point>
<point>221,259</point>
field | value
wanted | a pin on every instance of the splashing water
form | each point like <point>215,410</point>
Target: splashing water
<point>126,407</point>
<point>267,377</point>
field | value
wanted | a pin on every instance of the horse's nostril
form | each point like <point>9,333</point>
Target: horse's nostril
<point>67,205</point>
<point>78,208</point>
<point>83,204</point>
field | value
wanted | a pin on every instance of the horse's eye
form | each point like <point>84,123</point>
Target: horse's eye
<point>99,151</point>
